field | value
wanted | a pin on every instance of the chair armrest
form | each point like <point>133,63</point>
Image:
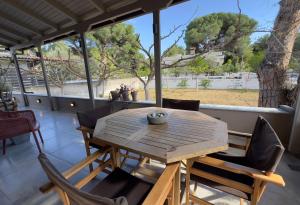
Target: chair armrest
<point>75,169</point>
<point>239,134</point>
<point>80,165</point>
<point>272,178</point>
<point>228,166</point>
<point>85,129</point>
<point>161,189</point>
<point>240,169</point>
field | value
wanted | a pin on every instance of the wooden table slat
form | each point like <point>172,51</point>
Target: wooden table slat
<point>186,134</point>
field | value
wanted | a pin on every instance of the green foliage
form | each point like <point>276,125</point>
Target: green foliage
<point>205,83</point>
<point>229,67</point>
<point>183,83</point>
<point>227,30</point>
<point>175,50</point>
<point>295,60</point>
<point>256,60</point>
<point>200,65</point>
<point>114,49</point>
<point>261,43</point>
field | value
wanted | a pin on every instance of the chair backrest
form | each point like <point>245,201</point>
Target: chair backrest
<point>265,149</point>
<point>75,195</point>
<point>89,118</point>
<point>181,104</point>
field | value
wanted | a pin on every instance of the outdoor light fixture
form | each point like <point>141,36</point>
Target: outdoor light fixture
<point>39,101</point>
<point>72,104</point>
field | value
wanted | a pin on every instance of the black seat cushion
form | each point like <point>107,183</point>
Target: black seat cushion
<point>264,153</point>
<point>181,104</point>
<point>120,183</point>
<point>265,149</point>
<point>89,118</point>
<point>225,174</point>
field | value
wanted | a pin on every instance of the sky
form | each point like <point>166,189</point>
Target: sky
<point>263,11</point>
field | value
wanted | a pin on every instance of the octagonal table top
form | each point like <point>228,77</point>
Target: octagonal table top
<point>186,134</point>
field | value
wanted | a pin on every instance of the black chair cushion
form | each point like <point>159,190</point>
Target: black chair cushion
<point>265,149</point>
<point>225,174</point>
<point>181,104</point>
<point>89,118</point>
<point>120,183</point>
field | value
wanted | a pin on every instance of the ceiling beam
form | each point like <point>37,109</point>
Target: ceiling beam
<point>5,44</point>
<point>14,32</point>
<point>9,39</point>
<point>98,4</point>
<point>20,24</point>
<point>63,10</point>
<point>31,13</point>
<point>129,11</point>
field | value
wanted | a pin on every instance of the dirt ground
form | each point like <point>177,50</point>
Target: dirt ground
<point>209,96</point>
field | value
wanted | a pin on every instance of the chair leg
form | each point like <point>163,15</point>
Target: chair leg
<point>187,182</point>
<point>41,137</point>
<point>36,142</point>
<point>256,192</point>
<point>3,145</point>
<point>88,153</point>
<point>124,158</point>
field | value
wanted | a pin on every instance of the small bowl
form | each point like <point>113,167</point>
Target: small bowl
<point>157,118</point>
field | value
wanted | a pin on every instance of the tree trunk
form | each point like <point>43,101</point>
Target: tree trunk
<point>146,90</point>
<point>62,90</point>
<point>272,73</point>
<point>100,84</point>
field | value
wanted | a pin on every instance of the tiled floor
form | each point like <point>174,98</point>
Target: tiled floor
<point>21,174</point>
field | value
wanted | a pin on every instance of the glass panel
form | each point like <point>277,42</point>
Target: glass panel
<point>65,68</point>
<point>31,71</point>
<point>121,60</point>
<point>203,59</point>
<point>8,75</point>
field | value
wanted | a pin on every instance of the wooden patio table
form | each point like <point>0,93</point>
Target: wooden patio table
<point>185,135</point>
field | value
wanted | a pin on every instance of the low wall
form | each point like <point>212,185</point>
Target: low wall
<point>238,118</point>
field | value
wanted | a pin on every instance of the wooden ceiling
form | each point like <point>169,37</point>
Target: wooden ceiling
<point>26,23</point>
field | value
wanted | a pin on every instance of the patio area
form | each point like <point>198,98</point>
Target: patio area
<point>146,138</point>
<point>21,174</point>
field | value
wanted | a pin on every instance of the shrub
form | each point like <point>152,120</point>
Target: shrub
<point>183,83</point>
<point>205,83</point>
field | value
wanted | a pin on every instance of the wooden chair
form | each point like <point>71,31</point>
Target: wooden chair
<point>87,121</point>
<point>117,188</point>
<point>17,123</point>
<point>181,104</point>
<point>243,176</point>
<point>192,105</point>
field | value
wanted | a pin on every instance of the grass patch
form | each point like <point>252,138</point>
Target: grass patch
<point>241,97</point>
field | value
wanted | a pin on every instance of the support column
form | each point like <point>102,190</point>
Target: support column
<point>20,78</point>
<point>157,56</point>
<point>294,142</point>
<point>87,69</point>
<point>40,54</point>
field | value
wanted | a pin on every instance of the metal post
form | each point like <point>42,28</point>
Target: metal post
<point>40,54</point>
<point>294,141</point>
<point>87,70</point>
<point>157,56</point>
<point>20,78</point>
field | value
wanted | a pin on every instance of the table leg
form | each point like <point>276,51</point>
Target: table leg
<point>187,182</point>
<point>116,157</point>
<point>177,182</point>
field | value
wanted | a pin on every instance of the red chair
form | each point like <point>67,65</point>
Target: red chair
<point>17,123</point>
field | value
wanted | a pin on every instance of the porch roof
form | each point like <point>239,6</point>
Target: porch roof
<point>26,23</point>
